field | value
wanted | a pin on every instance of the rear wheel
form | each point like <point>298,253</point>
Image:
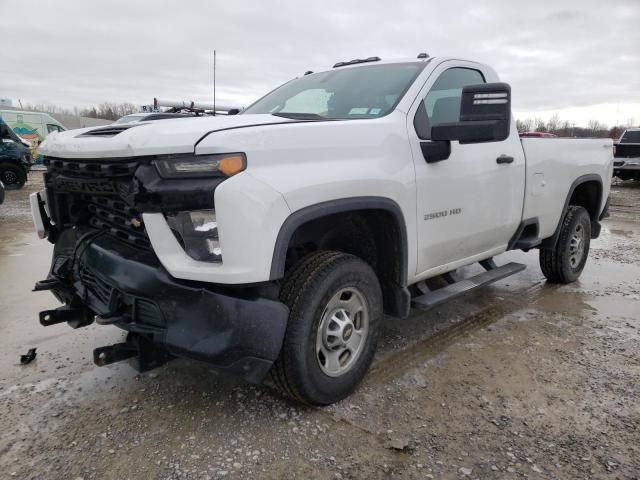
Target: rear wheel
<point>13,176</point>
<point>335,308</point>
<point>565,262</point>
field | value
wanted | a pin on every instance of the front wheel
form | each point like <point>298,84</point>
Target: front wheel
<point>335,308</point>
<point>13,176</point>
<point>565,262</point>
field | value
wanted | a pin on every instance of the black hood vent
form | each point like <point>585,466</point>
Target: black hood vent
<point>108,131</point>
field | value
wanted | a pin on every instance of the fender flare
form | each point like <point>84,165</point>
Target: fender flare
<point>551,241</point>
<point>319,210</point>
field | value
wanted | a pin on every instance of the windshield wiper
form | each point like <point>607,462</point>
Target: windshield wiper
<point>300,116</point>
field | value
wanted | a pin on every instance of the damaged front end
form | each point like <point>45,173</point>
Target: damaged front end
<point>105,270</point>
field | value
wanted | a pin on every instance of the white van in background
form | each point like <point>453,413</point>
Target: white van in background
<point>31,126</point>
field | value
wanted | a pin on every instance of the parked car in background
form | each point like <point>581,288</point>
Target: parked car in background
<point>626,164</point>
<point>537,135</point>
<point>147,117</point>
<point>15,158</point>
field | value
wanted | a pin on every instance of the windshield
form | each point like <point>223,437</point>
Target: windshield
<point>130,118</point>
<point>631,136</point>
<point>369,91</point>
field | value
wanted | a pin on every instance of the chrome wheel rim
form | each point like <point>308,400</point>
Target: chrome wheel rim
<point>576,246</point>
<point>342,332</point>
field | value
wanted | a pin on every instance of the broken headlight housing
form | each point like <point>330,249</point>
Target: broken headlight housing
<point>197,232</point>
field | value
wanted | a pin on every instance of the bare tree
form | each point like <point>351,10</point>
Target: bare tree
<point>553,125</point>
<point>596,128</point>
<point>541,126</point>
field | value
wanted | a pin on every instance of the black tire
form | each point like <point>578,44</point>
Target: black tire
<point>308,290</point>
<point>562,264</point>
<point>13,176</point>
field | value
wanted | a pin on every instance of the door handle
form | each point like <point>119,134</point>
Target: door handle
<point>504,159</point>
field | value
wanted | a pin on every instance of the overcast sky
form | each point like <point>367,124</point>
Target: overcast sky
<point>577,58</point>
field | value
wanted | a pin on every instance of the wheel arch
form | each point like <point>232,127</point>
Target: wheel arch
<point>585,191</point>
<point>375,213</point>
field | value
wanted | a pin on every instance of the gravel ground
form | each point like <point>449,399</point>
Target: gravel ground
<point>519,380</point>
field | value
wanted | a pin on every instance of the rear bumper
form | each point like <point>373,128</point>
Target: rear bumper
<point>129,288</point>
<point>626,165</point>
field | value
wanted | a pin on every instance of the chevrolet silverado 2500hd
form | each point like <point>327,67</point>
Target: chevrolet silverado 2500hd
<point>273,241</point>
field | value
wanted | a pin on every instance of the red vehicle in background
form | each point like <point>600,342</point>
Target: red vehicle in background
<point>536,135</point>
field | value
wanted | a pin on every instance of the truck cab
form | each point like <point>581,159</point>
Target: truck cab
<point>273,241</point>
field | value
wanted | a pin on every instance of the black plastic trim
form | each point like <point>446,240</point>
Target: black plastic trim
<point>435,151</point>
<point>551,241</point>
<point>517,241</point>
<point>304,215</point>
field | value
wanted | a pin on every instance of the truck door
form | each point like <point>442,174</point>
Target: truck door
<point>469,196</point>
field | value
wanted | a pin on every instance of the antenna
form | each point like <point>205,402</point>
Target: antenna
<point>214,82</point>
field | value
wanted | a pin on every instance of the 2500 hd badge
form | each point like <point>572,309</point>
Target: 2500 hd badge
<point>442,213</point>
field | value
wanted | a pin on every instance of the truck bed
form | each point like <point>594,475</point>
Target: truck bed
<point>552,167</point>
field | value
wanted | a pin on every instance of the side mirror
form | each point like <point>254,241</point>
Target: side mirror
<point>485,115</point>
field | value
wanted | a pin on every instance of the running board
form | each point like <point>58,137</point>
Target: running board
<point>493,274</point>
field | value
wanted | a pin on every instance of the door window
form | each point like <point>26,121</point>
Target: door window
<point>442,103</point>
<point>54,128</point>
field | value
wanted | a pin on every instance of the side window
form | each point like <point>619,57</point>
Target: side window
<point>442,103</point>
<point>53,128</point>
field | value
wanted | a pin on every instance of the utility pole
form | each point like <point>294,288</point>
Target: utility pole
<point>214,82</point>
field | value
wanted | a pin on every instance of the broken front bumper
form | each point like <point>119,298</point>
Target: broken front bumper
<point>96,274</point>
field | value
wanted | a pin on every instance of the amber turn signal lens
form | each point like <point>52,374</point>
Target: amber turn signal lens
<point>231,164</point>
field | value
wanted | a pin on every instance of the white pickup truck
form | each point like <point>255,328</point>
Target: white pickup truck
<point>273,241</point>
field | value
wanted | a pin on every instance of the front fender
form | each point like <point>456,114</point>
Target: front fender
<point>249,214</point>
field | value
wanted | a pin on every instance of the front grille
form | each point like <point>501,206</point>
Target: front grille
<point>110,213</point>
<point>91,168</point>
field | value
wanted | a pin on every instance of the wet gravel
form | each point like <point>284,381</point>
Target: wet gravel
<point>519,380</point>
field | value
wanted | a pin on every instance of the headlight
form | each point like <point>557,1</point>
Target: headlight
<point>198,166</point>
<point>197,231</point>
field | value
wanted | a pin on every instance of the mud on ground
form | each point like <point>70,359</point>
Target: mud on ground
<point>519,380</point>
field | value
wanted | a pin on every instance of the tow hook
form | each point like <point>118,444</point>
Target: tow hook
<point>75,317</point>
<point>148,356</point>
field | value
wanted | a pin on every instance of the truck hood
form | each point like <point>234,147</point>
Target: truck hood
<point>178,135</point>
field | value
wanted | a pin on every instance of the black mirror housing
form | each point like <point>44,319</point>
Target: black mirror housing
<point>485,115</point>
